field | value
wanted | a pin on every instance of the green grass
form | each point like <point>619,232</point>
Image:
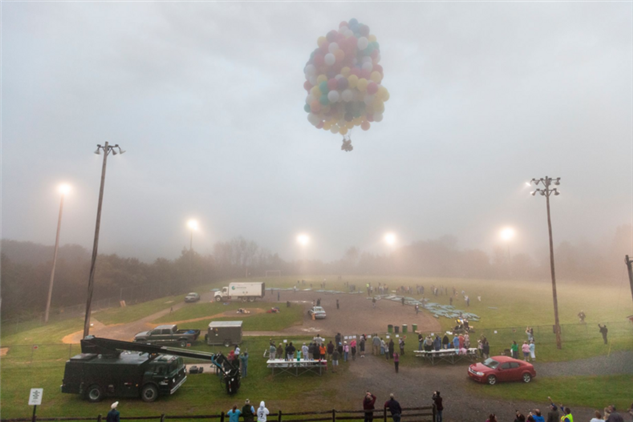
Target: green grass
<point>136,312</point>
<point>590,391</point>
<point>252,322</point>
<point>201,394</point>
<point>46,334</point>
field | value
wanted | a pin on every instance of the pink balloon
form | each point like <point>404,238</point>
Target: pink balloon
<point>365,125</point>
<point>307,86</point>
<point>369,117</point>
<point>364,73</point>
<point>372,88</point>
<point>332,84</point>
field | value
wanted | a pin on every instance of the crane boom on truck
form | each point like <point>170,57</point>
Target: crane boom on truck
<point>102,369</point>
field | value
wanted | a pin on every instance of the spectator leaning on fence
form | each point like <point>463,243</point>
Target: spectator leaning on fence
<point>262,412</point>
<point>113,414</point>
<point>234,414</point>
<point>394,407</point>
<point>248,411</point>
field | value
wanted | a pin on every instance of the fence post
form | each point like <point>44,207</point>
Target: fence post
<point>384,414</point>
<point>99,418</point>
<point>162,417</point>
<point>222,416</point>
<point>279,416</point>
<point>333,415</point>
<point>434,412</point>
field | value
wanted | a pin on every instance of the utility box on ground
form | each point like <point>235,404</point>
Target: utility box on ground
<point>227,333</point>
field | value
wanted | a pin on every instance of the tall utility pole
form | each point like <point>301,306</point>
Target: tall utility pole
<point>546,191</point>
<point>107,149</point>
<point>629,266</point>
<point>193,226</point>
<point>63,189</point>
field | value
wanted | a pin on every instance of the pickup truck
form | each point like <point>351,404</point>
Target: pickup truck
<point>167,334</point>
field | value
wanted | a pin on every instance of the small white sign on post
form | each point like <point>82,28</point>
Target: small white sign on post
<point>35,397</point>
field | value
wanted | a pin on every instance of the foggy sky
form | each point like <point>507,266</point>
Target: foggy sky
<point>207,100</point>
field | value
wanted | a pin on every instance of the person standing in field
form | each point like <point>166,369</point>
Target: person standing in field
<point>439,407</point>
<point>335,357</point>
<point>244,361</point>
<point>401,345</point>
<point>394,407</point>
<point>375,345</point>
<point>330,349</point>
<point>604,331</point>
<point>248,411</point>
<point>345,351</point>
<point>113,414</point>
<point>391,348</point>
<point>396,360</point>
<point>445,341</point>
<point>353,348</point>
<point>514,348</point>
<point>532,353</point>
<point>368,406</point>
<point>234,414</point>
<point>361,346</point>
<point>525,348</point>
<point>262,412</point>
<point>272,350</point>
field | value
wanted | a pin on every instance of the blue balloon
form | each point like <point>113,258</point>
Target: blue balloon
<point>353,21</point>
<point>307,108</point>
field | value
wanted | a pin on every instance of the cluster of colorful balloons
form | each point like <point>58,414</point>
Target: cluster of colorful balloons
<point>344,80</point>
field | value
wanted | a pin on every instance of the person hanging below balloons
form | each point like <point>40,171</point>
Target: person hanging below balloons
<point>344,81</point>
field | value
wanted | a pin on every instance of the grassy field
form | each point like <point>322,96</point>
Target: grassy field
<point>201,394</point>
<point>136,312</point>
<point>594,391</point>
<point>252,322</point>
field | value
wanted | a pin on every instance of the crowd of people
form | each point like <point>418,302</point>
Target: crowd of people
<point>562,413</point>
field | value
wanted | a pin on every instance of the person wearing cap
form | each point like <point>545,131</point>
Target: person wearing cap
<point>248,411</point>
<point>113,414</point>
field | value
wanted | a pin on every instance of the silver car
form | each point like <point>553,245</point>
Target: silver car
<point>317,312</point>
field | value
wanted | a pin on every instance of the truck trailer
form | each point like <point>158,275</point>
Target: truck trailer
<point>246,291</point>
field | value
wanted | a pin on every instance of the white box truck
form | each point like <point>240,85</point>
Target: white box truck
<point>247,291</point>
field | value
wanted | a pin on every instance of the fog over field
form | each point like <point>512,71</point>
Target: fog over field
<point>207,100</point>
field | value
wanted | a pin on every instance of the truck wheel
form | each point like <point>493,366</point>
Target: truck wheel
<point>149,393</point>
<point>218,299</point>
<point>251,299</point>
<point>94,394</point>
<point>183,343</point>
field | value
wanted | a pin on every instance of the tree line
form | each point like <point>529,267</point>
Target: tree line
<point>26,268</point>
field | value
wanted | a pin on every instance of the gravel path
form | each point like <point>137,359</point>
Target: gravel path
<point>415,386</point>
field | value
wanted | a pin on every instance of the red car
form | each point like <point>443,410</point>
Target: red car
<point>501,368</point>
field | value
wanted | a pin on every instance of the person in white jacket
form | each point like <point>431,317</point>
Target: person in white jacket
<point>262,412</point>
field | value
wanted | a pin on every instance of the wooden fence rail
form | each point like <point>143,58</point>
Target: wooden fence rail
<point>379,415</point>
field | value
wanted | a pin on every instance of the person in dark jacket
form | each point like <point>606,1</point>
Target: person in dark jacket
<point>244,364</point>
<point>445,342</point>
<point>280,352</point>
<point>113,414</point>
<point>248,411</point>
<point>368,406</point>
<point>553,415</point>
<point>330,349</point>
<point>437,399</point>
<point>604,331</point>
<point>391,348</point>
<point>394,407</point>
<point>486,349</point>
<point>337,338</point>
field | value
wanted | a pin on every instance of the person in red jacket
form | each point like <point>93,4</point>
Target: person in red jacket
<point>368,406</point>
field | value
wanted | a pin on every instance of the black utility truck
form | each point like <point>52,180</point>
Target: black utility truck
<point>115,368</point>
<point>168,334</point>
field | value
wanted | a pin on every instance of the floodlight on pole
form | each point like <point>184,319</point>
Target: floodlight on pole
<point>507,233</point>
<point>303,239</point>
<point>546,191</point>
<point>64,190</point>
<point>390,239</point>
<point>107,149</point>
<point>193,226</point>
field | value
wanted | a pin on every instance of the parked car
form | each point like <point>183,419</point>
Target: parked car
<point>192,297</point>
<point>501,368</point>
<point>167,334</point>
<point>317,311</point>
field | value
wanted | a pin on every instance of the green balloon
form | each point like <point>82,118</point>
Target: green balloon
<point>323,88</point>
<point>324,100</point>
<point>307,108</point>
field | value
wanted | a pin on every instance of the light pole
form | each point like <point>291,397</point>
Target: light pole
<point>390,239</point>
<point>64,190</point>
<point>546,191</point>
<point>507,235</point>
<point>107,149</point>
<point>193,226</point>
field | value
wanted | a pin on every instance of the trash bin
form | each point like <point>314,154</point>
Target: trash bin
<point>396,329</point>
<point>404,328</point>
<point>390,328</point>
<point>415,328</point>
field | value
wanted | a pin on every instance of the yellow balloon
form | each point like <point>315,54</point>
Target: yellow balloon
<point>345,71</point>
<point>334,129</point>
<point>342,130</point>
<point>353,81</point>
<point>327,125</point>
<point>325,109</point>
<point>350,124</point>
<point>382,92</point>
<point>380,107</point>
<point>376,77</point>
<point>362,84</point>
<point>370,38</point>
<point>321,41</point>
<point>386,96</point>
<point>321,78</point>
<point>315,91</point>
